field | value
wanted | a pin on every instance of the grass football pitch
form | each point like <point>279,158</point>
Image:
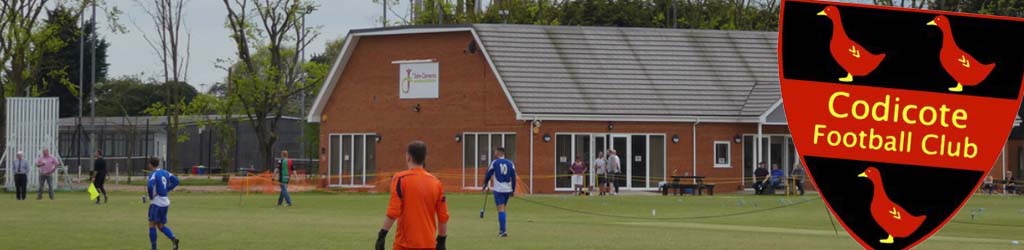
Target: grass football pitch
<point>350,221</point>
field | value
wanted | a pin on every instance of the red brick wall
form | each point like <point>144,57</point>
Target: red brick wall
<point>366,101</point>
<point>1012,159</point>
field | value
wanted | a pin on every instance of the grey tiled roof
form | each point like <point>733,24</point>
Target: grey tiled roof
<point>609,71</point>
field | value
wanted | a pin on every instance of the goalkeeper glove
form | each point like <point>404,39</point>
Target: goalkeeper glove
<point>381,236</point>
<point>441,242</point>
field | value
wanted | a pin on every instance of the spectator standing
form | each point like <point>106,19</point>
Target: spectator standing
<point>602,173</point>
<point>20,176</point>
<point>47,164</point>
<point>578,170</point>
<point>798,177</point>
<point>615,167</point>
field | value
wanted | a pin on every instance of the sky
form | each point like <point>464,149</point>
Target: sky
<point>129,53</point>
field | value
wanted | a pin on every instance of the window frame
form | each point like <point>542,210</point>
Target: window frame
<point>333,152</point>
<point>728,154</point>
<point>475,185</point>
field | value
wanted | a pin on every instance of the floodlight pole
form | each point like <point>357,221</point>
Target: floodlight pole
<point>92,83</point>
<point>81,84</point>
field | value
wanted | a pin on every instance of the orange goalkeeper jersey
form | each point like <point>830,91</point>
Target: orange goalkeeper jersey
<point>418,203</point>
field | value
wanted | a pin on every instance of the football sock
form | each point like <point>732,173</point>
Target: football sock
<point>167,231</point>
<point>501,220</point>
<point>152,237</point>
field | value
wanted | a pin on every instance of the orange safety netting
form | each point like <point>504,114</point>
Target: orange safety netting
<point>265,183</point>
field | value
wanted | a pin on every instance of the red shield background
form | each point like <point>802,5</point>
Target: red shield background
<point>929,147</point>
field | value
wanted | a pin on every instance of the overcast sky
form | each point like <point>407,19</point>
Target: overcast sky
<point>130,54</point>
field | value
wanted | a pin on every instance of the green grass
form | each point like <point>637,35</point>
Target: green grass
<point>350,221</point>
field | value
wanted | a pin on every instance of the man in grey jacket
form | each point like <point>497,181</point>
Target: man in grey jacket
<point>20,168</point>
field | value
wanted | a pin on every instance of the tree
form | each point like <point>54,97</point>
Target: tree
<point>269,74</point>
<point>22,41</point>
<point>25,40</point>
<point>125,97</point>
<point>60,67</point>
<point>218,113</point>
<point>692,14</point>
<point>166,17</point>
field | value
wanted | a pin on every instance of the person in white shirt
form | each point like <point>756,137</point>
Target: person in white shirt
<point>615,167</point>
<point>602,174</point>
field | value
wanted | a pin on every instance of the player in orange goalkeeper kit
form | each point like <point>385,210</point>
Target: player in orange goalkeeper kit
<point>418,203</point>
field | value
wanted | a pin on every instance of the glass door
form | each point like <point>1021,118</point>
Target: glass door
<point>620,143</point>
<point>599,147</point>
<point>638,162</point>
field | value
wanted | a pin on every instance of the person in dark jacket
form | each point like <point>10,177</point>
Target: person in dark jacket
<point>760,178</point>
<point>99,168</point>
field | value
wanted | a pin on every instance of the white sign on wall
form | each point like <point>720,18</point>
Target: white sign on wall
<point>418,79</point>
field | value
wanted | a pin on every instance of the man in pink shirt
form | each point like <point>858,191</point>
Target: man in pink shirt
<point>47,164</point>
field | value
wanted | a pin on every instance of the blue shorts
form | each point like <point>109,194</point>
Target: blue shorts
<point>157,214</point>
<point>501,198</point>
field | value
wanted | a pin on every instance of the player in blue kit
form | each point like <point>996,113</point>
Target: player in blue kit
<point>504,173</point>
<point>160,183</point>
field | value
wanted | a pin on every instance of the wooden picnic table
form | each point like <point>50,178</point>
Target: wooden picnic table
<point>697,187</point>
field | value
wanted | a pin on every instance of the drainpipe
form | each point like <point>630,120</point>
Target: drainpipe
<point>531,152</point>
<point>758,150</point>
<point>694,173</point>
<point>1004,161</point>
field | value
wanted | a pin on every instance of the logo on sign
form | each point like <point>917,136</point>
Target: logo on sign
<point>898,113</point>
<point>418,80</point>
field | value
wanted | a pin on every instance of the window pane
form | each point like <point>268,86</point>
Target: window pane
<point>357,160</point>
<point>496,142</point>
<point>657,159</point>
<point>721,153</point>
<point>346,160</point>
<point>583,151</point>
<point>639,160</point>
<point>335,158</point>
<point>371,159</point>
<point>563,147</point>
<point>778,145</point>
<point>748,160</point>
<point>469,159</point>
<point>510,147</point>
<point>483,159</point>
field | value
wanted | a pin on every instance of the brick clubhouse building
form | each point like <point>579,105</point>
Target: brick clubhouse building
<point>672,102</point>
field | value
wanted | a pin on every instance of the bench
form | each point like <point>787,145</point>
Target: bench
<point>677,187</point>
<point>1001,185</point>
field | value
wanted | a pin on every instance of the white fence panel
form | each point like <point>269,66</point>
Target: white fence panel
<point>31,127</point>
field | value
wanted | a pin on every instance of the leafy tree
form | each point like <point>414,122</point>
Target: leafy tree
<point>218,113</point>
<point>269,36</point>
<point>126,97</point>
<point>693,14</point>
<point>173,49</point>
<point>60,67</point>
<point>25,40</point>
